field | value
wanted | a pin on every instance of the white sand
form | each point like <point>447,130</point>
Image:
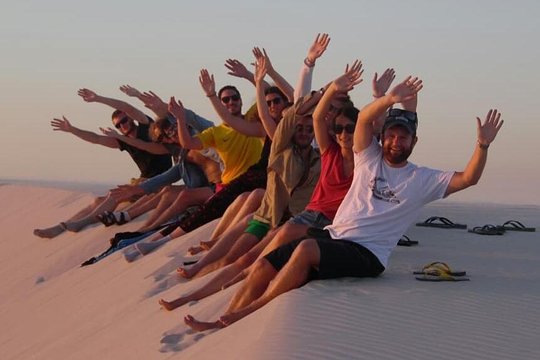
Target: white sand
<point>52,309</point>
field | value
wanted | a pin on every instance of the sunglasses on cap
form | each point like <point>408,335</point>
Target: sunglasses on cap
<point>275,101</point>
<point>349,129</point>
<point>226,99</point>
<point>409,115</point>
<point>122,121</point>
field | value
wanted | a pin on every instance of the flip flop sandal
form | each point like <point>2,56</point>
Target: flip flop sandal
<point>107,218</point>
<point>437,268</point>
<point>406,241</point>
<point>514,225</point>
<point>441,222</point>
<point>488,230</point>
<point>441,278</point>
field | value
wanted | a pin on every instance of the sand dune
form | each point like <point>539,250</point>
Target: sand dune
<point>50,308</point>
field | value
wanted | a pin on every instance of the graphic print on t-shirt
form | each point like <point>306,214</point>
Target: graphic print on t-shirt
<point>380,189</point>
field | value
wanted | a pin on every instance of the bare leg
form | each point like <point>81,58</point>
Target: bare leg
<point>109,204</point>
<point>293,275</point>
<point>216,252</point>
<point>160,202</point>
<point>186,198</point>
<point>56,230</point>
<point>287,233</point>
<point>249,201</point>
<point>254,286</point>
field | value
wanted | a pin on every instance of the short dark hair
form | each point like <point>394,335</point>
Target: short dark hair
<point>275,90</point>
<point>349,111</point>
<point>228,87</point>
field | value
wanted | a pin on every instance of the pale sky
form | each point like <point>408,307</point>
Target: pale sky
<point>471,55</point>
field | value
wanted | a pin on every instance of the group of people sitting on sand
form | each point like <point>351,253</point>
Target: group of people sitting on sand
<point>307,186</point>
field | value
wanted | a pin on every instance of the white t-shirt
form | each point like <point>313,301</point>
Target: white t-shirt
<point>384,201</point>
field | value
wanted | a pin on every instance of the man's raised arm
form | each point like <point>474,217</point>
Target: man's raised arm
<point>486,133</point>
<point>237,123</point>
<point>128,109</point>
<point>64,125</point>
<point>364,131</point>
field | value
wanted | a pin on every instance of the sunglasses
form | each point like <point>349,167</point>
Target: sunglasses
<point>275,101</point>
<point>333,109</point>
<point>122,121</point>
<point>409,115</point>
<point>167,132</point>
<point>226,99</point>
<point>304,128</point>
<point>349,129</point>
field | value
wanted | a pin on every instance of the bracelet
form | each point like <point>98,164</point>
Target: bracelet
<point>211,95</point>
<point>482,146</point>
<point>309,63</point>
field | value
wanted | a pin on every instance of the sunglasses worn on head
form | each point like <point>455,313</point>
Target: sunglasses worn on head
<point>349,129</point>
<point>226,99</point>
<point>123,120</point>
<point>409,115</point>
<point>275,101</point>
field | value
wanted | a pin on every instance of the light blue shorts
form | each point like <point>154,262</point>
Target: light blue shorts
<point>310,218</point>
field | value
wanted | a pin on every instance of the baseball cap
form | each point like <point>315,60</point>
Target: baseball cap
<point>405,118</point>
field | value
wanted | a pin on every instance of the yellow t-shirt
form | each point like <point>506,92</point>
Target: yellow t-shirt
<point>237,150</point>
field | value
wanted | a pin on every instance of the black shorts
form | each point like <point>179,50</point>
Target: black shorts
<point>339,258</point>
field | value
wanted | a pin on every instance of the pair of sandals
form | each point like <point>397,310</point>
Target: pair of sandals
<point>439,271</point>
<point>510,225</point>
<point>108,218</point>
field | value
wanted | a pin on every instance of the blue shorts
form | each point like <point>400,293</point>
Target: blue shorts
<point>310,218</point>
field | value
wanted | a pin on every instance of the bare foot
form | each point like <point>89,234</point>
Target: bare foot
<point>186,272</point>
<point>171,305</point>
<point>51,232</point>
<point>233,317</point>
<point>201,326</point>
<point>195,249</point>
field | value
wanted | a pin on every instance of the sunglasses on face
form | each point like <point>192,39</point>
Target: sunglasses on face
<point>226,99</point>
<point>168,133</point>
<point>349,129</point>
<point>334,109</point>
<point>275,101</point>
<point>304,128</point>
<point>122,121</point>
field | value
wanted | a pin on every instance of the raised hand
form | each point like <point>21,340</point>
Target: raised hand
<point>489,129</point>
<point>154,102</point>
<point>318,47</point>
<point>61,125</point>
<point>406,90</point>
<point>130,91</point>
<point>380,85</point>
<point>263,55</point>
<point>351,77</point>
<point>207,83</point>
<point>176,108</point>
<point>236,68</point>
<point>260,69</point>
<point>87,95</point>
<point>110,132</point>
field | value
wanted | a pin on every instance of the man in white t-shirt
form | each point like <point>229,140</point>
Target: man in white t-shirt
<point>385,198</point>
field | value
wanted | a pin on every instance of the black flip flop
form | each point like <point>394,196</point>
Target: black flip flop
<point>514,225</point>
<point>488,230</point>
<point>441,222</point>
<point>406,241</point>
